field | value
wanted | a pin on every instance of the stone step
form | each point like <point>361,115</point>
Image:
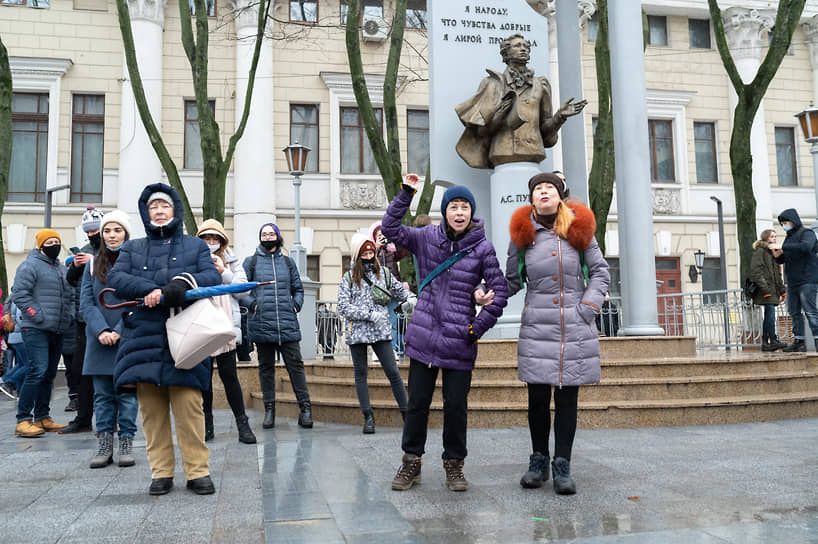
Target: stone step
<point>688,387</point>
<point>641,347</point>
<point>761,364</point>
<point>626,413</point>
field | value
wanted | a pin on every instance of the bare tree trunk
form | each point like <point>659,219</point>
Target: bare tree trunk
<point>602,175</point>
<point>215,167</point>
<point>749,99</point>
<point>5,152</point>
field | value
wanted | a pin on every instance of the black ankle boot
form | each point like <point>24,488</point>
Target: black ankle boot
<point>776,343</point>
<point>209,433</point>
<point>796,346</point>
<point>563,483</point>
<point>369,422</point>
<point>537,471</point>
<point>305,417</point>
<point>246,435</point>
<point>766,345</point>
<point>269,415</point>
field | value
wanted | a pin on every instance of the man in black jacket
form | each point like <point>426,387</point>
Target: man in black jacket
<point>798,255</point>
<point>91,221</point>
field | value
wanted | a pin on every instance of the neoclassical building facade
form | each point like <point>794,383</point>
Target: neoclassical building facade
<point>78,138</point>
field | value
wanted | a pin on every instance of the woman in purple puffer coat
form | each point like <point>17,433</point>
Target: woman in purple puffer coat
<point>445,326</point>
<point>559,343</point>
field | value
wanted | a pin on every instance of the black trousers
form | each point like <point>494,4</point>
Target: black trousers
<point>456,386</point>
<point>84,384</point>
<point>565,418</point>
<point>291,353</point>
<point>226,363</point>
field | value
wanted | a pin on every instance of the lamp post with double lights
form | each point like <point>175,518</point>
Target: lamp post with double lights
<point>296,163</point>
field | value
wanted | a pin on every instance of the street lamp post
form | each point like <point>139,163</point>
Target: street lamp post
<point>723,266</point>
<point>808,119</point>
<point>49,193</point>
<point>296,162</point>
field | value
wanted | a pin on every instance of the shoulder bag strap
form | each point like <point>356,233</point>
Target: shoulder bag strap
<point>443,266</point>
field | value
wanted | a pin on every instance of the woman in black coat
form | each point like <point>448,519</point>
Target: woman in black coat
<point>145,269</point>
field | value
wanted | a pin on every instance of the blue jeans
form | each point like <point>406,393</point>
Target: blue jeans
<point>110,405</point>
<point>17,374</point>
<point>393,320</point>
<point>802,297</point>
<point>44,350</point>
<point>768,326</point>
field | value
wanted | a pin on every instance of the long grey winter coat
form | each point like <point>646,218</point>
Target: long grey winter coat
<point>356,305</point>
<point>43,295</point>
<point>559,341</point>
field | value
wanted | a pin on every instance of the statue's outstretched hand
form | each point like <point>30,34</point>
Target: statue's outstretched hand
<point>569,107</point>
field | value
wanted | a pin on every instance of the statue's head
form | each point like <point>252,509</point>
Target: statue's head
<point>515,47</point>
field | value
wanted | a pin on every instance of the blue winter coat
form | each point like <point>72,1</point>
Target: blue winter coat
<point>43,295</point>
<point>798,252</point>
<point>272,308</point>
<point>99,359</point>
<point>151,263</point>
<point>438,333</point>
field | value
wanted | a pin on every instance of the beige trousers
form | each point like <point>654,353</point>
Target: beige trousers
<point>155,403</point>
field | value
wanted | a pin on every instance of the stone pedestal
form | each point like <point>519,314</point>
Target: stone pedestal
<point>306,318</point>
<point>509,191</point>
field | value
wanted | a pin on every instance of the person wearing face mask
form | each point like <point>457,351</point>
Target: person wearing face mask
<point>214,235</point>
<point>273,324</point>
<point>115,409</point>
<point>798,255</point>
<point>368,322</point>
<point>453,257</point>
<point>388,256</point>
<point>80,386</point>
<point>46,301</point>
<point>146,268</point>
<point>558,346</point>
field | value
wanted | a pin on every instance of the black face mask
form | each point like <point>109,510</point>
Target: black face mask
<point>369,262</point>
<point>269,244</point>
<point>95,240</point>
<point>52,252</point>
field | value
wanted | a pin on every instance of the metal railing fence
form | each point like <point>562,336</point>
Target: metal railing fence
<point>718,319</point>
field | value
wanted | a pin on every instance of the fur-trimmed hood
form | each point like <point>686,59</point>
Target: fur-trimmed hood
<point>580,232</point>
<point>761,243</point>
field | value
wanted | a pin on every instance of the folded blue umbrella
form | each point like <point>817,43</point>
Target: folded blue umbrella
<point>192,294</point>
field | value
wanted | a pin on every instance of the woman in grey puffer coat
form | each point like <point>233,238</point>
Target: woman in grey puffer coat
<point>559,342</point>
<point>369,323</point>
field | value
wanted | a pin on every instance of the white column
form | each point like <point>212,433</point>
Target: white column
<point>634,200</point>
<point>547,8</point>
<point>743,29</point>
<point>254,162</point>
<point>138,163</point>
<point>810,27</point>
<point>572,132</point>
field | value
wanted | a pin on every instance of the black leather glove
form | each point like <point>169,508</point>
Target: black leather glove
<point>174,293</point>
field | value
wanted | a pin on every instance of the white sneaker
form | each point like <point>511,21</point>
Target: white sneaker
<point>8,391</point>
<point>397,355</point>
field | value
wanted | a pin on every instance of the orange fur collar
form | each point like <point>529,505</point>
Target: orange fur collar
<point>580,233</point>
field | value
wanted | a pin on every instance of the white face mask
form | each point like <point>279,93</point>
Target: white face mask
<point>214,247</point>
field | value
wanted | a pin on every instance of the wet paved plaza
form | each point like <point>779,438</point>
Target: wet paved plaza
<point>738,484</point>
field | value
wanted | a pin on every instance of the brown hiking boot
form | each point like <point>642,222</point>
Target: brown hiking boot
<point>27,429</point>
<point>408,473</point>
<point>49,425</point>
<point>455,480</point>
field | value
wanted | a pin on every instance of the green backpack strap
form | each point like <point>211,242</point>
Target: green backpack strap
<point>521,265</point>
<point>584,267</point>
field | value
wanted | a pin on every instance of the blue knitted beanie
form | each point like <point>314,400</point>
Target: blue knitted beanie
<point>457,191</point>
